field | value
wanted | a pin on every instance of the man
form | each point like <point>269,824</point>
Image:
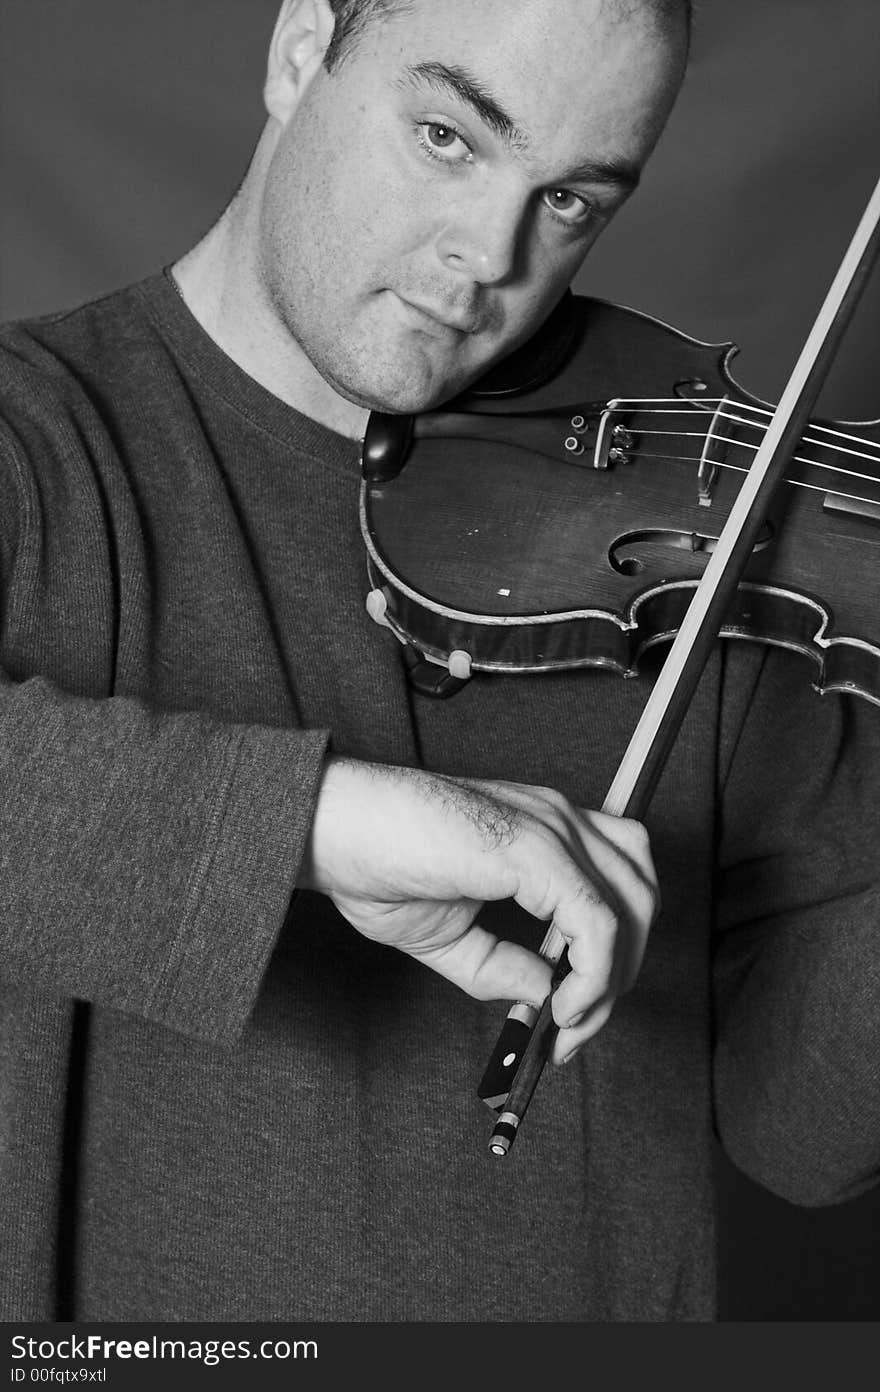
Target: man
<point>256,1109</point>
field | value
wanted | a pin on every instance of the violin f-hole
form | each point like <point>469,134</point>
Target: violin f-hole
<point>634,552</point>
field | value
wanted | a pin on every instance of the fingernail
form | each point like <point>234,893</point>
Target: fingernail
<point>568,1057</point>
<point>575,1020</point>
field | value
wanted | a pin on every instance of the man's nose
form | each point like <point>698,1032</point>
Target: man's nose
<point>482,240</point>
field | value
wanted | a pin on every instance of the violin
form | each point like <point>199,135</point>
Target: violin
<point>612,489</point>
<point>568,525</point>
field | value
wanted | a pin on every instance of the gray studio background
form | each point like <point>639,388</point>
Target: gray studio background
<point>125,126</point>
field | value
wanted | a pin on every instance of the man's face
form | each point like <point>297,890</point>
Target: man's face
<point>429,200</point>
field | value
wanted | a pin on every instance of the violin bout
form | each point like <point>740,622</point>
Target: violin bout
<point>568,526</point>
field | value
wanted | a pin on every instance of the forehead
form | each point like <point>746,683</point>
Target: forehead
<point>599,70</point>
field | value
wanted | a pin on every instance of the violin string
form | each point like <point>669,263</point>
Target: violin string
<point>821,444</point>
<point>837,449</point>
<point>742,469</point>
<point>825,429</point>
<point>744,444</point>
<point>813,425</point>
<point>670,405</point>
<point>755,425</point>
<point>676,404</point>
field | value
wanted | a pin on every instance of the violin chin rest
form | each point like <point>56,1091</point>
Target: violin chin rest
<point>536,360</point>
<point>386,446</point>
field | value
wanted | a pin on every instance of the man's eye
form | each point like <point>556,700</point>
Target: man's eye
<point>442,141</point>
<point>567,205</point>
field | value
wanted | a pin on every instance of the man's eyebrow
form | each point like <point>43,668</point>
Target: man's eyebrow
<point>621,174</point>
<point>458,82</point>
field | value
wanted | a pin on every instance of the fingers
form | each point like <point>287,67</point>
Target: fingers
<point>568,1041</point>
<point>622,856</point>
<point>611,856</point>
<point>409,856</point>
<point>603,887</point>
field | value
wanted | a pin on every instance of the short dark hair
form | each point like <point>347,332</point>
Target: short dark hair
<point>353,16</point>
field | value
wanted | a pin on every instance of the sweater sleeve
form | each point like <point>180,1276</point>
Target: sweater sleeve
<point>147,859</point>
<point>148,856</point>
<point>797,962</point>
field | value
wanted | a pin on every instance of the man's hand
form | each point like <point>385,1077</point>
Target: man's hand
<point>409,857</point>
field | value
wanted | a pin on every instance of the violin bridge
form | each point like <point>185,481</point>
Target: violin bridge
<point>713,453</point>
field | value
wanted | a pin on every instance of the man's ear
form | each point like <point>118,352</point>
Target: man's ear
<point>302,35</point>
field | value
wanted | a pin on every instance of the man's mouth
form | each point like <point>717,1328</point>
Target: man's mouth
<point>436,318</point>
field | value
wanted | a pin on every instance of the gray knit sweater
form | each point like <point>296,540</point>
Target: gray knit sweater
<point>217,1101</point>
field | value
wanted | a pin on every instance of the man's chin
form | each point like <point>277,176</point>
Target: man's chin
<point>409,390</point>
<point>406,398</point>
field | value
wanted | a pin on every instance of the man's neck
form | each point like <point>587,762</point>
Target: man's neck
<point>220,286</point>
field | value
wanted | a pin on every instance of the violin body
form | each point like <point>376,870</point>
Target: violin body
<point>567,525</point>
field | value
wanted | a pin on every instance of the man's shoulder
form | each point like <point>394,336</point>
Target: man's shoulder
<point>78,342</point>
<point>70,380</point>
<point>73,387</point>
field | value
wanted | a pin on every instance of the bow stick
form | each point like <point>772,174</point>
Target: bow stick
<point>527,1035</point>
